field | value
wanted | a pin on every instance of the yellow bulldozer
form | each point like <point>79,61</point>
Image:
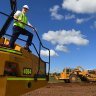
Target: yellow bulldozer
<point>21,71</point>
<point>77,74</point>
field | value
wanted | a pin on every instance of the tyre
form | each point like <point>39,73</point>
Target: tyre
<point>66,80</point>
<point>73,78</point>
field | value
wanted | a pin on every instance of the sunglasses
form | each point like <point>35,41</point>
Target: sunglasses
<point>25,8</point>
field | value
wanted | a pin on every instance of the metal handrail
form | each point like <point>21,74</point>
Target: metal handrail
<point>4,13</point>
<point>33,44</point>
<point>43,47</point>
<point>40,44</point>
<point>25,41</point>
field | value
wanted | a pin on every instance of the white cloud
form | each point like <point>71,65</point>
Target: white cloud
<point>62,48</point>
<point>62,38</point>
<point>46,53</point>
<point>68,17</point>
<point>54,13</point>
<point>65,37</point>
<point>93,25</point>
<point>81,20</point>
<point>80,6</point>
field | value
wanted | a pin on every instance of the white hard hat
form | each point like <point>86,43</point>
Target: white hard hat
<point>26,6</point>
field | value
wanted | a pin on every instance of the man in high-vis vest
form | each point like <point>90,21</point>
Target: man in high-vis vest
<point>19,28</point>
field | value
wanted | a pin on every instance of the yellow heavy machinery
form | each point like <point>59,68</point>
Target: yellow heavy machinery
<point>76,75</point>
<point>20,71</point>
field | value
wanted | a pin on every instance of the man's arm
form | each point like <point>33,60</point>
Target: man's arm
<point>34,29</point>
<point>30,24</point>
<point>16,15</point>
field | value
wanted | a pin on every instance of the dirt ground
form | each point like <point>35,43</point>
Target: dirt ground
<point>65,89</point>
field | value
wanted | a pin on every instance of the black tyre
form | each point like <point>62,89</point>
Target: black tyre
<point>66,80</point>
<point>73,78</point>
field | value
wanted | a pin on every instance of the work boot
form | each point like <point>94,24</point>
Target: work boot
<point>6,45</point>
<point>11,46</point>
<point>27,48</point>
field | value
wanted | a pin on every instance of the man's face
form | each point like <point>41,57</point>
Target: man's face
<point>24,10</point>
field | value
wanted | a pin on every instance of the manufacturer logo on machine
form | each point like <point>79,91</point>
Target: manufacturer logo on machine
<point>27,71</point>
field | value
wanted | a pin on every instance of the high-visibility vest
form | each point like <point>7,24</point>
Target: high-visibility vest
<point>23,19</point>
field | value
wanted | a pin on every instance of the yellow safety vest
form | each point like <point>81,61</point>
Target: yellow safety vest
<point>23,19</point>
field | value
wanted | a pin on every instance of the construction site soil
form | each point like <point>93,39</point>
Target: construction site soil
<point>65,89</point>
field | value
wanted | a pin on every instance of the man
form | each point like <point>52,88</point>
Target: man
<point>19,28</point>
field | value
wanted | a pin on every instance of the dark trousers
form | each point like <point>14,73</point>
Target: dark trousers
<point>16,32</point>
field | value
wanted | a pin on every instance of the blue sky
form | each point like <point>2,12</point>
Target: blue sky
<point>66,27</point>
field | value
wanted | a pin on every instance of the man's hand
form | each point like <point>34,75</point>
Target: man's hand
<point>30,26</point>
<point>33,28</point>
<point>19,21</point>
<point>15,18</point>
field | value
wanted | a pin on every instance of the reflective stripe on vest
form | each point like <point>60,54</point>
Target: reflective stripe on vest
<point>22,18</point>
